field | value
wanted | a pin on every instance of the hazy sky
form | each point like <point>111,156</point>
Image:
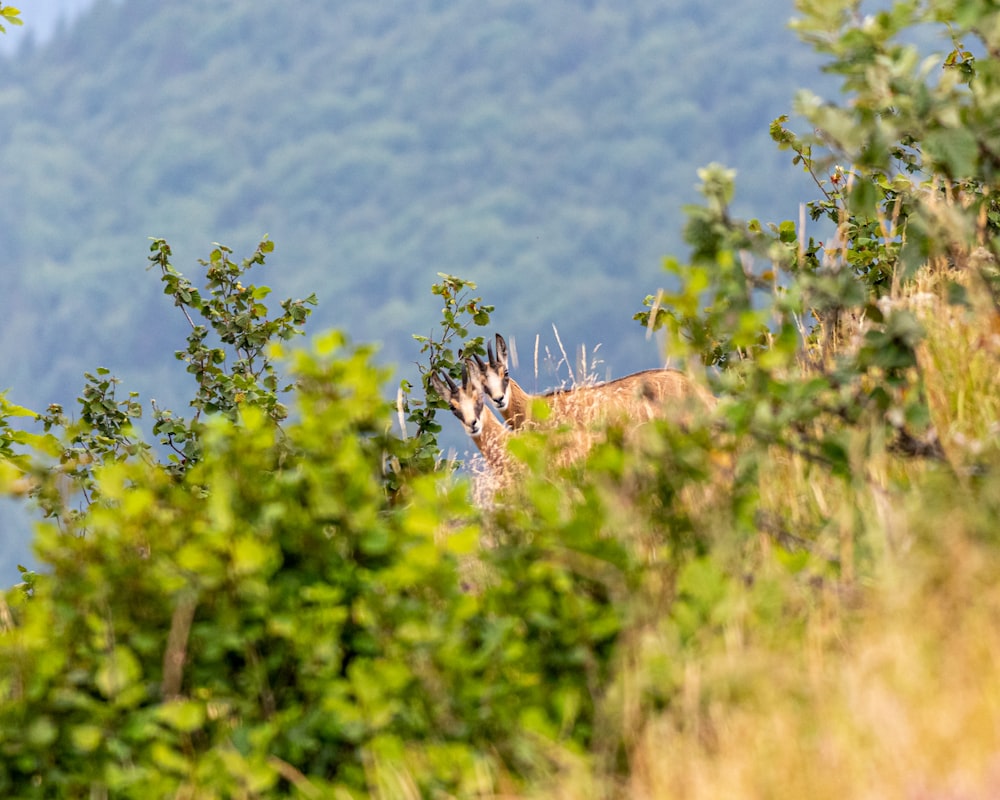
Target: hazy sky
<point>40,20</point>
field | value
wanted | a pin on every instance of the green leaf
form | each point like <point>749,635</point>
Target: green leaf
<point>954,151</point>
<point>119,670</point>
<point>787,232</point>
<point>182,715</point>
<point>86,738</point>
<point>8,409</point>
<point>41,731</point>
<point>11,15</point>
<point>864,199</point>
<point>958,294</point>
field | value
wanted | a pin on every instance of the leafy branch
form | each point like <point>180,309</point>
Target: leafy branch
<point>443,353</point>
<point>238,371</point>
<point>58,466</point>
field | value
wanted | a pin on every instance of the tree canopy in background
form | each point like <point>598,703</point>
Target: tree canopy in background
<point>543,150</point>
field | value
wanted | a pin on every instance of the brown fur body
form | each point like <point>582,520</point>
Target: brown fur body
<point>636,398</point>
<point>639,397</point>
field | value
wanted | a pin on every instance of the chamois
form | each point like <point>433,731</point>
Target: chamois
<point>467,403</point>
<point>639,397</point>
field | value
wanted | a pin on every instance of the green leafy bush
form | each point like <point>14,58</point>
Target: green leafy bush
<point>272,615</point>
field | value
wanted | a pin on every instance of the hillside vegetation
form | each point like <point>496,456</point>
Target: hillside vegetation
<point>543,150</point>
<point>793,594</point>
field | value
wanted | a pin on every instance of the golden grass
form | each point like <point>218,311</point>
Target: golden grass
<point>901,699</point>
<point>959,359</point>
<point>884,684</point>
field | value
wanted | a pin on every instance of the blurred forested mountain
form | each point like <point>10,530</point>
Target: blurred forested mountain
<point>543,150</point>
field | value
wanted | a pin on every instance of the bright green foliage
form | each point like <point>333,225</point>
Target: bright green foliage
<point>270,609</point>
<point>277,616</point>
<point>240,372</point>
<point>903,167</point>
<point>919,131</point>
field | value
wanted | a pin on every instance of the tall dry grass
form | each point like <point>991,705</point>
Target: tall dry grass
<point>900,698</point>
<point>882,684</point>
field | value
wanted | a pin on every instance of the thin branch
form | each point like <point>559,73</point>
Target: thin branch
<point>176,653</point>
<point>294,777</point>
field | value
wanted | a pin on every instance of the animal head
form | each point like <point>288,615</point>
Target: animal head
<point>496,376</point>
<point>466,401</point>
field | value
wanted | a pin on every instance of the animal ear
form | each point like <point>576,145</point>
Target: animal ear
<point>472,376</point>
<point>439,386</point>
<point>501,350</point>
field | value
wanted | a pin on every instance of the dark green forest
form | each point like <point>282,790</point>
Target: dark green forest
<point>542,150</point>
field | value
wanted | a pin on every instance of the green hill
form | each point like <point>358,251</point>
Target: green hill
<point>542,150</point>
